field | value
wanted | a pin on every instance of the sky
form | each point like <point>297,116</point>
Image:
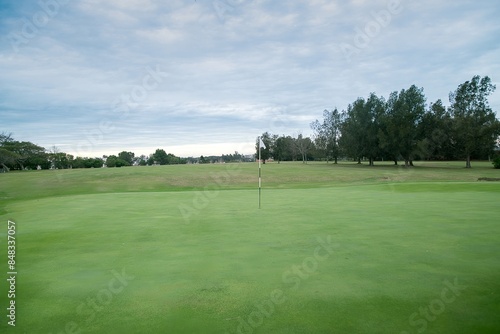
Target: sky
<point>206,77</point>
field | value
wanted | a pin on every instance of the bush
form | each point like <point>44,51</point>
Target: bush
<point>496,162</point>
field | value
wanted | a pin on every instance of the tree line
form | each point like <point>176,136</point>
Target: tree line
<point>399,128</point>
<point>21,155</point>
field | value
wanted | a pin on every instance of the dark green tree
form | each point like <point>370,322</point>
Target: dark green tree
<point>327,134</point>
<point>475,127</point>
<point>60,160</point>
<point>436,129</point>
<point>265,153</point>
<point>28,155</point>
<point>160,157</point>
<point>351,140</point>
<point>360,129</point>
<point>114,161</point>
<point>280,149</point>
<point>400,135</point>
<point>86,162</point>
<point>7,158</point>
<point>128,157</point>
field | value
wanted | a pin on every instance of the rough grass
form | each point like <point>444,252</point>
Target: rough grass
<point>396,237</point>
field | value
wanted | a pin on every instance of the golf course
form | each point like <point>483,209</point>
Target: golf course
<point>343,248</point>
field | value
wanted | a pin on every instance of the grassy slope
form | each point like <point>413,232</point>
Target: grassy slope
<point>395,242</point>
<point>37,184</point>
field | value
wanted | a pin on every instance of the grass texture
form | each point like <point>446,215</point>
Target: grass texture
<point>184,249</point>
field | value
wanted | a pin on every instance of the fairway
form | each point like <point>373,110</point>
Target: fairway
<point>185,249</point>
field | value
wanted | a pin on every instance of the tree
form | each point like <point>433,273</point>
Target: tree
<point>279,148</point>
<point>291,151</point>
<point>496,162</point>
<point>114,161</point>
<point>80,162</point>
<point>160,157</point>
<point>351,140</point>
<point>373,109</point>
<point>327,133</point>
<point>400,135</point>
<point>7,158</point>
<point>303,146</point>
<point>265,153</point>
<point>57,158</point>
<point>127,157</point>
<point>27,155</point>
<point>5,138</point>
<point>475,126</point>
<point>60,160</point>
<point>320,139</point>
<point>142,160</point>
<point>360,130</point>
<point>436,129</point>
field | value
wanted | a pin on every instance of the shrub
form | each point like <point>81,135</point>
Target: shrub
<point>496,162</point>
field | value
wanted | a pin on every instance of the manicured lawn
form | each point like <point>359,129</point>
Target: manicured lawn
<point>184,249</point>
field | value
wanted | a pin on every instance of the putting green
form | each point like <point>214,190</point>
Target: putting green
<point>346,259</point>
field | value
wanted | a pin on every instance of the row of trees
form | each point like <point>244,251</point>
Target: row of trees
<point>288,148</point>
<point>26,155</point>
<point>20,155</point>
<point>400,128</point>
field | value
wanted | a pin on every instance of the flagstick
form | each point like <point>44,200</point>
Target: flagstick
<point>259,173</point>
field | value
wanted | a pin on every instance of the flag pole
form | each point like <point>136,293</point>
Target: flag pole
<point>260,180</point>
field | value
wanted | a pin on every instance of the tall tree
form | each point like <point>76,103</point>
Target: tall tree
<point>303,144</point>
<point>401,123</point>
<point>327,133</point>
<point>436,129</point>
<point>374,109</point>
<point>7,157</point>
<point>291,149</point>
<point>265,153</point>
<point>160,157</point>
<point>475,125</point>
<point>279,148</point>
<point>360,128</point>
<point>128,157</point>
<point>352,132</point>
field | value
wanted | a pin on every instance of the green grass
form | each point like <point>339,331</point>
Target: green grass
<point>200,257</point>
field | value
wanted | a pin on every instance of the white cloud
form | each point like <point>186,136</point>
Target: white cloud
<point>162,35</point>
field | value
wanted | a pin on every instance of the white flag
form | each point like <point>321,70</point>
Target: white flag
<point>261,144</point>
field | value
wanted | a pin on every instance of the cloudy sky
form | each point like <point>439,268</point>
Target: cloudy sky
<point>207,77</point>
